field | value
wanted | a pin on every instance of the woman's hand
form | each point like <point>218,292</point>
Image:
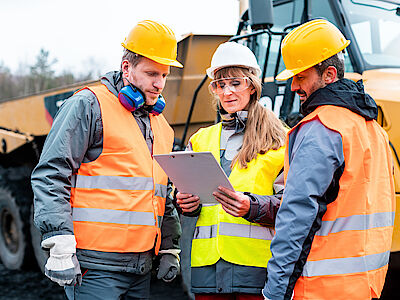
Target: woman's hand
<point>187,202</point>
<point>234,203</point>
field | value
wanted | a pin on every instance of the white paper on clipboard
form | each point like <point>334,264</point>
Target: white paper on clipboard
<point>196,173</point>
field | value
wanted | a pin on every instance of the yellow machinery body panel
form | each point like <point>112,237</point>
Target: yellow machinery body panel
<point>29,115</point>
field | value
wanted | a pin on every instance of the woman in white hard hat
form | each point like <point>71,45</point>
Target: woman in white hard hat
<point>230,246</point>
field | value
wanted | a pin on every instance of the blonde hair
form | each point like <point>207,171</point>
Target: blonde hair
<point>264,131</point>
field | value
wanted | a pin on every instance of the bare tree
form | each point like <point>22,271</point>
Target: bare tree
<point>42,74</point>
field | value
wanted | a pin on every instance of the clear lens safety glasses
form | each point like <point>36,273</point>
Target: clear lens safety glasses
<point>234,84</point>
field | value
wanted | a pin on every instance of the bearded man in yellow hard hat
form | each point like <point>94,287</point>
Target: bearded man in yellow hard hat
<point>101,201</point>
<point>335,222</point>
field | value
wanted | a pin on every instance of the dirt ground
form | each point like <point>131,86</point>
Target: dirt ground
<point>33,285</point>
<point>391,290</point>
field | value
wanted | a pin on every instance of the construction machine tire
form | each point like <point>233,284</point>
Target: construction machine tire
<point>41,255</point>
<point>15,203</point>
<point>13,232</point>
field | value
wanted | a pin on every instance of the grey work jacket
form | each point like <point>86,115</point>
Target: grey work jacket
<point>76,136</point>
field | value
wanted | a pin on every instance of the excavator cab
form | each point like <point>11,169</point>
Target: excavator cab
<point>373,27</point>
<point>374,30</point>
<point>266,45</point>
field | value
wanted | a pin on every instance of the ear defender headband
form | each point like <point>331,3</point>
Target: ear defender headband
<point>132,99</point>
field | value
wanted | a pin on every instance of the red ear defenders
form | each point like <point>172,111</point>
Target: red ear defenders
<point>132,99</point>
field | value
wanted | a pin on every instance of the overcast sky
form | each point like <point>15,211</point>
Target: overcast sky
<point>81,34</point>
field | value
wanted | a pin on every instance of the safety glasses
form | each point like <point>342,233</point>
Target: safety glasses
<point>234,84</point>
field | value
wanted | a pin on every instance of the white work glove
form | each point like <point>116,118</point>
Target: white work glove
<point>169,265</point>
<point>62,266</point>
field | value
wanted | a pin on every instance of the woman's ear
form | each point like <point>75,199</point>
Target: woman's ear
<point>252,91</point>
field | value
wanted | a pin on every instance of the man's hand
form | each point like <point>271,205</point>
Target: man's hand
<point>234,203</point>
<point>62,266</point>
<point>169,267</point>
<point>187,202</point>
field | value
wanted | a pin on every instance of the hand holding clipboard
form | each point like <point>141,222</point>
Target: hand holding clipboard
<point>196,173</point>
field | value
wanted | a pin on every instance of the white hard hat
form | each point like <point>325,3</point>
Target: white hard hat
<point>231,54</point>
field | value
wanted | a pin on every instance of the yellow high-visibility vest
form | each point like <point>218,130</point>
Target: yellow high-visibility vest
<point>221,235</point>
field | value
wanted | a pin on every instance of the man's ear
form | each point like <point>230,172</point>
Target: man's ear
<point>329,75</point>
<point>125,68</point>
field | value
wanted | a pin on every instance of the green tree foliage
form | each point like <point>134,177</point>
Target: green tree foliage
<point>41,77</point>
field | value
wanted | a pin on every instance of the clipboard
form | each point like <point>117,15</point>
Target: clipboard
<point>196,173</point>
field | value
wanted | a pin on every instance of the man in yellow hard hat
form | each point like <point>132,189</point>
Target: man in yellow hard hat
<point>101,202</point>
<point>335,222</point>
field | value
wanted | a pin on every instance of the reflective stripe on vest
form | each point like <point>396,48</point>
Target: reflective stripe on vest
<point>247,231</point>
<point>119,183</point>
<point>113,216</point>
<point>357,222</point>
<point>349,253</point>
<point>230,229</point>
<point>220,235</point>
<point>118,199</point>
<point>205,232</point>
<point>346,265</point>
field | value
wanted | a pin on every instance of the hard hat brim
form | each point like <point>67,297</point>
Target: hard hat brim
<point>211,70</point>
<point>165,61</point>
<point>160,60</point>
<point>286,74</point>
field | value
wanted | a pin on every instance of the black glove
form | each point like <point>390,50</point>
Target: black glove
<point>169,267</point>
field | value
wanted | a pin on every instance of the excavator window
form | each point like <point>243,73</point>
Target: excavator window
<point>53,102</point>
<point>381,118</point>
<point>285,13</point>
<point>323,9</point>
<point>376,27</point>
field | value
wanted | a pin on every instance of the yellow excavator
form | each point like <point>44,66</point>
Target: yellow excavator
<point>373,56</point>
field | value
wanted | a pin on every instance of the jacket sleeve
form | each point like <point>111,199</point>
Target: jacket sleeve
<point>171,226</point>
<point>63,151</point>
<point>263,208</point>
<point>316,156</point>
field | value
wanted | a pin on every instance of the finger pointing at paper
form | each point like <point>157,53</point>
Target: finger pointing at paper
<point>235,203</point>
<point>187,202</point>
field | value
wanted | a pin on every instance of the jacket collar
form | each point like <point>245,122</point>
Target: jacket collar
<point>343,93</point>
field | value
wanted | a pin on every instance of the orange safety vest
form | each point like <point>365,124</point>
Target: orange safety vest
<point>350,252</point>
<point>118,200</point>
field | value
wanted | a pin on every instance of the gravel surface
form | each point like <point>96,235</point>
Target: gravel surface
<point>33,285</point>
<point>27,285</point>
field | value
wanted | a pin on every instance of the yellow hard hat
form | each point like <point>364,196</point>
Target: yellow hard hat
<point>155,41</point>
<point>310,44</point>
